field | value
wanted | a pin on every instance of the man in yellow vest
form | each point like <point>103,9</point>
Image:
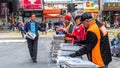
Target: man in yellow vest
<point>69,28</point>
<point>96,45</point>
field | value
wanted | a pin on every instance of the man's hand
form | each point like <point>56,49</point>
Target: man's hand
<point>74,37</point>
<point>73,55</point>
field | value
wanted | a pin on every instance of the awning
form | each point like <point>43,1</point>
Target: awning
<point>91,10</point>
<point>52,16</point>
<point>51,11</point>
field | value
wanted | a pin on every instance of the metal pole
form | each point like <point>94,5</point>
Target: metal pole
<point>100,10</point>
<point>43,9</point>
<point>6,15</point>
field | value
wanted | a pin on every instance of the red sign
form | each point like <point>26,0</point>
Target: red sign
<point>32,4</point>
<point>88,4</point>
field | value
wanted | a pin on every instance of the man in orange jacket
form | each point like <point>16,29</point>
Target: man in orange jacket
<point>96,45</point>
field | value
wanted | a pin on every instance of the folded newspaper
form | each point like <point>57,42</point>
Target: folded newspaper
<point>30,35</point>
<point>80,64</point>
<point>58,37</point>
<point>63,59</point>
<point>65,53</point>
<point>70,48</point>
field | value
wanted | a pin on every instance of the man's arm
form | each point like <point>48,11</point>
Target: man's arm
<point>26,28</point>
<point>39,27</point>
<point>90,43</point>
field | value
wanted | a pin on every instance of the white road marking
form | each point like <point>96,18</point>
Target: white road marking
<point>12,41</point>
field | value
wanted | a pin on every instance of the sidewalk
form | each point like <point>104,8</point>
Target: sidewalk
<point>16,34</point>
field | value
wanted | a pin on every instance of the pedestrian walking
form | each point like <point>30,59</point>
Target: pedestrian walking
<point>18,25</point>
<point>96,45</point>
<point>9,25</point>
<point>22,25</point>
<point>13,25</point>
<point>32,28</point>
<point>43,27</point>
<point>49,25</point>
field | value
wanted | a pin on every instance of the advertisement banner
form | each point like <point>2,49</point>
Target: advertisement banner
<point>57,1</point>
<point>32,4</point>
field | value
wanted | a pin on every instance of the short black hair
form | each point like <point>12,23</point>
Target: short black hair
<point>77,17</point>
<point>32,14</point>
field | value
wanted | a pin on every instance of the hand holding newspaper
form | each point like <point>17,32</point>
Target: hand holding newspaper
<point>30,35</point>
<point>61,29</point>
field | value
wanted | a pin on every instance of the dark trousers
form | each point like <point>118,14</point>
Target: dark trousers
<point>32,46</point>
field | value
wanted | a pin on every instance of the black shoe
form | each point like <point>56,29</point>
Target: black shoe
<point>35,61</point>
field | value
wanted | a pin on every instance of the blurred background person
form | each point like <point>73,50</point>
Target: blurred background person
<point>43,27</point>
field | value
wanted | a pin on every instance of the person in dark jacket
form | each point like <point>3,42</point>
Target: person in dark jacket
<point>33,27</point>
<point>49,25</point>
<point>43,27</point>
<point>96,45</point>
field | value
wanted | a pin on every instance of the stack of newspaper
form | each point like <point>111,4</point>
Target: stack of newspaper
<point>80,64</point>
<point>57,40</point>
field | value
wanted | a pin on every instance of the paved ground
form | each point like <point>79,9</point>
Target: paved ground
<point>115,63</point>
<point>16,55</point>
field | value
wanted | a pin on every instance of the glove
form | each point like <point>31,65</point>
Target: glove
<point>73,55</point>
<point>74,37</point>
<point>79,41</point>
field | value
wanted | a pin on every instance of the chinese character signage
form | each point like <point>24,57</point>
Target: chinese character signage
<point>37,13</point>
<point>111,0</point>
<point>112,6</point>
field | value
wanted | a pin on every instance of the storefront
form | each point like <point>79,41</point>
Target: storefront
<point>31,6</point>
<point>39,14</point>
<point>110,11</point>
<point>53,8</point>
<point>52,13</point>
<point>91,7</point>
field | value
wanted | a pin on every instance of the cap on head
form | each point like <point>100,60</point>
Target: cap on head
<point>68,17</point>
<point>85,16</point>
